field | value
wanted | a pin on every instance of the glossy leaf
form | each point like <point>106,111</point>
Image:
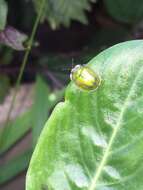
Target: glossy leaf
<point>93,140</point>
<point>3,14</point>
<point>128,11</point>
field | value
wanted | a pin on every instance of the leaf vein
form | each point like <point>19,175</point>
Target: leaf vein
<point>115,131</point>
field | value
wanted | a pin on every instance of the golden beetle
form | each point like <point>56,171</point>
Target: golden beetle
<point>85,78</point>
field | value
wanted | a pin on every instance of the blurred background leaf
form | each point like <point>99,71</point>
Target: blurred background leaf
<point>3,14</point>
<point>15,130</point>
<point>128,11</point>
<point>4,87</point>
<point>44,100</point>
<point>14,166</point>
<point>63,11</point>
<point>13,38</point>
<point>40,107</point>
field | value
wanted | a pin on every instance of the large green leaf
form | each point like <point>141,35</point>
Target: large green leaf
<point>3,14</point>
<point>129,11</point>
<point>94,140</point>
<point>63,11</point>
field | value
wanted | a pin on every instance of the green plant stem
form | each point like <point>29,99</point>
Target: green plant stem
<point>24,62</point>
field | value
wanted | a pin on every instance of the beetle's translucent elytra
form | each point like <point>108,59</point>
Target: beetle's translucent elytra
<point>85,78</point>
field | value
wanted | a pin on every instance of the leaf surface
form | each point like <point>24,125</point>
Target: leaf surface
<point>93,140</point>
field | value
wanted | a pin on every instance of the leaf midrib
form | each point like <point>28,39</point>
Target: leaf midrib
<point>115,131</point>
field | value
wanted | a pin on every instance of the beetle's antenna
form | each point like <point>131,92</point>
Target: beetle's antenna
<point>72,62</point>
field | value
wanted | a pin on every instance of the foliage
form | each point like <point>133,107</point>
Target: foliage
<point>3,14</point>
<point>126,11</point>
<point>100,24</point>
<point>93,140</point>
<point>42,106</point>
<point>15,166</point>
<point>63,11</point>
<point>12,133</point>
<point>4,87</point>
<point>25,122</point>
<point>13,38</point>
